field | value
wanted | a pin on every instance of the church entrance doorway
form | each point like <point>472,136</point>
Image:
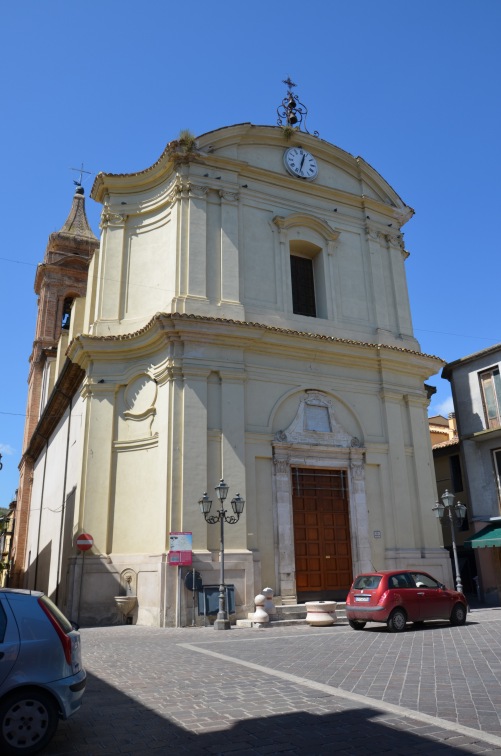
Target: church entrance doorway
<point>322,543</point>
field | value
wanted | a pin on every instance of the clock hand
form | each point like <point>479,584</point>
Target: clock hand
<point>302,161</point>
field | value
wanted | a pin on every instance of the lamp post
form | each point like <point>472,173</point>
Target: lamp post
<point>447,505</point>
<point>222,621</point>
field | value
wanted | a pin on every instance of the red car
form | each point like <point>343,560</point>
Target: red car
<point>400,596</point>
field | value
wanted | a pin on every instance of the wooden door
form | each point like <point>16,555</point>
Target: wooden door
<point>321,533</point>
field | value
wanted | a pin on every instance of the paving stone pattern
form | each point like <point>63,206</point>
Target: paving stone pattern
<point>299,690</point>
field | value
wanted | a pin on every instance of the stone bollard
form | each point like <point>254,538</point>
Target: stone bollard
<point>269,606</point>
<point>260,616</point>
<point>321,613</point>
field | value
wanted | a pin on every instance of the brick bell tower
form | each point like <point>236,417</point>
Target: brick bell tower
<point>60,278</point>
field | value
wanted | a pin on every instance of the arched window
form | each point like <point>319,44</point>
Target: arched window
<point>302,257</point>
<point>308,242</point>
<point>65,320</point>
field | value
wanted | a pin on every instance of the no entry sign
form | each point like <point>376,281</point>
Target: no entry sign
<point>85,541</point>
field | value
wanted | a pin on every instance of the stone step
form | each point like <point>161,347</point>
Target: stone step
<point>298,611</point>
<point>275,623</point>
<point>290,615</point>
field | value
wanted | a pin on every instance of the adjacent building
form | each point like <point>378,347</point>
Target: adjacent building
<point>449,477</point>
<point>476,392</point>
<point>245,316</point>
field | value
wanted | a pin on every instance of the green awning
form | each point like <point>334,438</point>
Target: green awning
<point>489,536</point>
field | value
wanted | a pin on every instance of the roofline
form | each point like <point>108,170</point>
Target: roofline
<point>360,167</point>
<point>177,316</point>
<point>447,370</point>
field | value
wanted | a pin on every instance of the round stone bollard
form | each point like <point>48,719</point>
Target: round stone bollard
<point>260,616</point>
<point>321,613</point>
<point>269,606</point>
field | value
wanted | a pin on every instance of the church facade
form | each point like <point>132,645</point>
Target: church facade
<point>245,317</point>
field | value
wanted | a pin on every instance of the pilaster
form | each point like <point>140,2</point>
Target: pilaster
<point>230,289</point>
<point>196,250</point>
<point>425,492</point>
<point>96,513</point>
<point>378,295</point>
<point>397,511</point>
<point>397,256</point>
<point>111,269</point>
<point>195,448</point>
<point>233,446</point>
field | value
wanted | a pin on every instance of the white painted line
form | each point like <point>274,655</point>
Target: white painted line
<point>386,708</point>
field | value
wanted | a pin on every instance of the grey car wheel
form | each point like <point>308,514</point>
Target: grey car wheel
<point>458,615</point>
<point>28,720</point>
<point>397,621</point>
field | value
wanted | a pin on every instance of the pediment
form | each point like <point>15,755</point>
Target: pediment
<point>316,424</point>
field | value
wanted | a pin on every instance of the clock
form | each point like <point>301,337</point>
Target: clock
<point>300,163</point>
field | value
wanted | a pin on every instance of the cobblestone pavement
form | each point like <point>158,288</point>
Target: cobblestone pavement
<point>291,690</point>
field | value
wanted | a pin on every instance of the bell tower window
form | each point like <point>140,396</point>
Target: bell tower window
<point>303,286</point>
<point>307,279</point>
<point>65,320</point>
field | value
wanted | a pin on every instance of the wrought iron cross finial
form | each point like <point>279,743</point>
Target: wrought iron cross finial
<point>292,113</point>
<point>81,172</point>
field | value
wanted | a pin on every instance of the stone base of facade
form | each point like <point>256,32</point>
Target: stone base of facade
<point>162,598</point>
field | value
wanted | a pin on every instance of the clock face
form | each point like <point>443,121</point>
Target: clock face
<point>301,163</point>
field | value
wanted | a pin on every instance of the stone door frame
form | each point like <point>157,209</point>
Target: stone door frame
<point>330,448</point>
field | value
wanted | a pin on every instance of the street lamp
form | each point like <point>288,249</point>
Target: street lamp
<point>447,505</point>
<point>222,621</point>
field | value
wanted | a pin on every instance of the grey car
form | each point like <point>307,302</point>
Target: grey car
<point>41,673</point>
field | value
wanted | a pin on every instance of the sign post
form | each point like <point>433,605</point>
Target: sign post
<point>84,542</point>
<point>180,555</point>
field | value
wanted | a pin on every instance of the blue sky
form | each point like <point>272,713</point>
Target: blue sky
<point>412,87</point>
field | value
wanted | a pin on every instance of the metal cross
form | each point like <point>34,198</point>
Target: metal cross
<point>289,82</point>
<point>81,171</point>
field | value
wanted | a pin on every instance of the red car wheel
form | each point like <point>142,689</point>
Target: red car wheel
<point>397,621</point>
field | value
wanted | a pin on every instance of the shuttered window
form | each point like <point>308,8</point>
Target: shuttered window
<point>491,394</point>
<point>303,286</point>
<point>497,469</point>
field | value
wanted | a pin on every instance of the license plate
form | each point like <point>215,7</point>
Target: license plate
<point>362,598</point>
